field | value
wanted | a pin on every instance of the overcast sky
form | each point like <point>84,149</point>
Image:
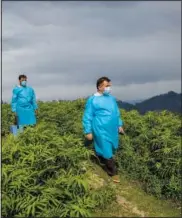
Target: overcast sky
<point>64,47</point>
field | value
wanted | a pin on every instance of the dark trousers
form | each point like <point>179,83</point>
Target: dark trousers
<point>109,165</point>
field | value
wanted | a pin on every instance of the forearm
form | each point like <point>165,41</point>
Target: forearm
<point>88,117</point>
<point>14,100</point>
<point>35,106</point>
<point>13,105</point>
<point>13,108</point>
<point>87,126</point>
<point>120,122</point>
<point>34,102</point>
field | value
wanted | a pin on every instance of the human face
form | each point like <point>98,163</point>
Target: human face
<point>23,80</point>
<point>103,85</point>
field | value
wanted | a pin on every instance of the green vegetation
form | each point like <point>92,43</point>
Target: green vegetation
<point>151,152</point>
<point>131,201</point>
<point>46,175</point>
<point>46,171</point>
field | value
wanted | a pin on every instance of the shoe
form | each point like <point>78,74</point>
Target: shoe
<point>116,179</point>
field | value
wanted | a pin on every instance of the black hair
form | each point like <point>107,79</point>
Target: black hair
<point>22,77</point>
<point>101,80</point>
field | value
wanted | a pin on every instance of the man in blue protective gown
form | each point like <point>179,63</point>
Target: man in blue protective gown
<point>102,123</point>
<point>23,103</point>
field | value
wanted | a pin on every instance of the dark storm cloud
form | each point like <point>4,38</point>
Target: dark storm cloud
<point>71,44</point>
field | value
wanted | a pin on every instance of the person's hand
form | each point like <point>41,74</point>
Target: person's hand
<point>121,130</point>
<point>89,136</point>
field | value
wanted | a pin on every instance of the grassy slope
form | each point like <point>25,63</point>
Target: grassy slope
<point>132,201</point>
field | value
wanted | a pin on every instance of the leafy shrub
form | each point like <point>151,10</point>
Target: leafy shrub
<point>45,175</point>
<point>151,151</point>
<point>7,119</point>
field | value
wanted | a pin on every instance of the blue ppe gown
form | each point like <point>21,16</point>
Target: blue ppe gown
<point>102,119</point>
<point>24,104</point>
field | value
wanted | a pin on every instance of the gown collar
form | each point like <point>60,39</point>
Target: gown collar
<point>98,94</point>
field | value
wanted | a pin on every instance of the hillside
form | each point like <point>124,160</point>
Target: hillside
<point>126,106</point>
<point>170,101</point>
<point>48,172</point>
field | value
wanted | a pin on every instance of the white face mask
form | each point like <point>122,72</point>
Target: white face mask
<point>107,90</point>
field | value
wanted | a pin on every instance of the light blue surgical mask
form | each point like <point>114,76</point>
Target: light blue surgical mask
<point>24,83</point>
<point>107,90</point>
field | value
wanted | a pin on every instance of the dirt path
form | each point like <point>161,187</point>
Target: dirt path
<point>128,206</point>
<point>132,201</point>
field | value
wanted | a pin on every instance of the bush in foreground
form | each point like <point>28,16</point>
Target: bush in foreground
<point>46,175</point>
<point>151,152</point>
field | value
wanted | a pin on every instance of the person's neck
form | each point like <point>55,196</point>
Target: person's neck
<point>100,92</point>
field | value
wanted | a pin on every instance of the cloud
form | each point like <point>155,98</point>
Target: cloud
<point>66,46</point>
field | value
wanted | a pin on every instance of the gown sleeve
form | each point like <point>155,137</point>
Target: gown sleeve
<point>120,121</point>
<point>14,100</point>
<point>88,117</point>
<point>34,103</point>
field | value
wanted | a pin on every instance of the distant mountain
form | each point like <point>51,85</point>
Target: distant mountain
<point>125,105</point>
<point>133,102</point>
<point>170,101</point>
